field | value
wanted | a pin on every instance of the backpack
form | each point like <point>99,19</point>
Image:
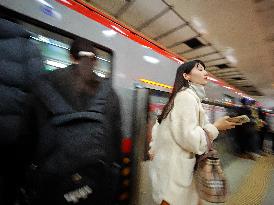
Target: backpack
<point>75,158</point>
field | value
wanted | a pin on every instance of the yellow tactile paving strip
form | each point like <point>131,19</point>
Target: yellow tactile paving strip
<point>254,186</point>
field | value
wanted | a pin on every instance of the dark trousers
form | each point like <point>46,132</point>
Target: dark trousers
<point>247,141</point>
<point>262,135</point>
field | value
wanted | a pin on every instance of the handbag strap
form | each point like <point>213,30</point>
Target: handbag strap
<point>209,146</point>
<point>209,143</point>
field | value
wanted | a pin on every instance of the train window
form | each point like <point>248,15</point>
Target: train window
<point>56,55</point>
<point>156,102</point>
<point>55,51</point>
<point>103,65</point>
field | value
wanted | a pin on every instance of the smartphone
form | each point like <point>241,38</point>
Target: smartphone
<point>239,119</point>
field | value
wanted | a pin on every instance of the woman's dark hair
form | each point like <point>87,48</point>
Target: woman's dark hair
<point>180,82</point>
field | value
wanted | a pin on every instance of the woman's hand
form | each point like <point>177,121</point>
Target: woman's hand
<point>222,124</point>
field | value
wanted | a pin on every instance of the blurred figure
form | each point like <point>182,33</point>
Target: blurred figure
<point>20,62</point>
<point>247,138</point>
<point>181,132</point>
<point>79,134</point>
<point>264,129</point>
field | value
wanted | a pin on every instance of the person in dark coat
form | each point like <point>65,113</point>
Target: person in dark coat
<point>20,62</point>
<point>247,138</point>
<point>77,156</point>
<point>265,127</point>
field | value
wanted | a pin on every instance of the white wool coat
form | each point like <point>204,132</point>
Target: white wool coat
<point>174,144</point>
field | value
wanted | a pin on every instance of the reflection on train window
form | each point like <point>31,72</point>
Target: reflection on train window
<point>56,56</point>
<point>156,103</point>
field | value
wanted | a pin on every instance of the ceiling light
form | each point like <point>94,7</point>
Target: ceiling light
<point>198,25</point>
<point>151,59</point>
<point>230,56</point>
<point>109,33</point>
<point>232,59</point>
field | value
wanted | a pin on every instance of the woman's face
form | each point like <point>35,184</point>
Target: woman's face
<point>197,75</point>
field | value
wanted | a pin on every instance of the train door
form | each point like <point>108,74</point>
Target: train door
<point>148,105</point>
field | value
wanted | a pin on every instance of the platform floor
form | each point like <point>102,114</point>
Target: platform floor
<point>250,182</point>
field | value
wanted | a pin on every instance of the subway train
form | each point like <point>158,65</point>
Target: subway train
<point>141,71</point>
<point>131,60</point>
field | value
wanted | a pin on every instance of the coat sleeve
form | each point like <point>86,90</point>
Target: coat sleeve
<point>185,124</point>
<point>210,128</point>
<point>34,63</point>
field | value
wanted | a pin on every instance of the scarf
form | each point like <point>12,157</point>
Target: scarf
<point>198,89</point>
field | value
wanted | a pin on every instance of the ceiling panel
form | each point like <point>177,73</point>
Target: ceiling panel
<point>108,5</point>
<point>222,26</point>
<point>217,62</point>
<point>210,57</point>
<point>228,70</point>
<point>222,72</point>
<point>212,69</point>
<point>156,28</point>
<point>141,11</point>
<point>228,75</point>
<point>239,82</point>
<point>178,36</point>
<point>180,48</point>
<point>196,53</point>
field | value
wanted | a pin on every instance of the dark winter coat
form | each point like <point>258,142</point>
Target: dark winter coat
<point>68,140</point>
<point>57,94</point>
<point>20,62</point>
<point>246,134</point>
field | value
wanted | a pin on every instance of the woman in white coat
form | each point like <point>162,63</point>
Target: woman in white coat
<point>179,134</point>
